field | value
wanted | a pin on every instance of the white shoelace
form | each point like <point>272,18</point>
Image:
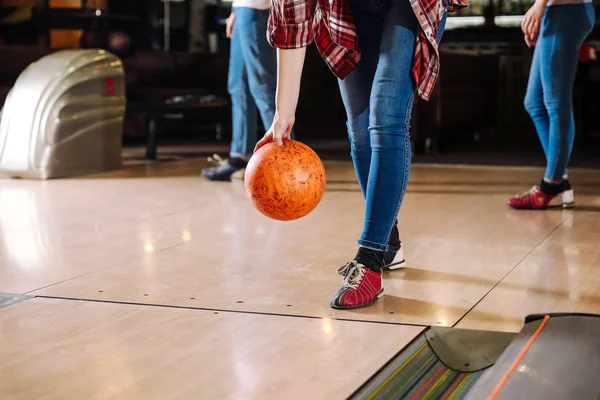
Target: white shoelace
<point>527,193</point>
<point>216,159</point>
<point>353,274</point>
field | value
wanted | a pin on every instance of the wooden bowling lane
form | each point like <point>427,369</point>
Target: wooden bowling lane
<point>57,230</point>
<point>59,349</point>
<point>160,234</point>
<point>460,241</point>
<point>561,275</point>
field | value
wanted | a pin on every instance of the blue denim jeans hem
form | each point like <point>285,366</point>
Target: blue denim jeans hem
<point>371,245</point>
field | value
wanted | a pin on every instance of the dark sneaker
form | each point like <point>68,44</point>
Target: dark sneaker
<point>393,259</point>
<point>393,256</point>
<point>225,170</point>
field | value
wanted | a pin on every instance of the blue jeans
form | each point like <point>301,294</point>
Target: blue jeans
<point>378,96</point>
<point>252,79</point>
<point>549,98</point>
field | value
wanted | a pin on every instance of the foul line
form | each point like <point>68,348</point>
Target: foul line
<point>131,303</point>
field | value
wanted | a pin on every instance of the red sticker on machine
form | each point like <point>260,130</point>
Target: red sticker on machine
<point>110,86</point>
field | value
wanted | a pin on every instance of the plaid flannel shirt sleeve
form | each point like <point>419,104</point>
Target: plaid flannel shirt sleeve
<point>290,24</point>
<point>426,59</point>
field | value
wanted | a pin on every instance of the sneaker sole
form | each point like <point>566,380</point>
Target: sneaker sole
<point>379,295</point>
<point>395,265</point>
<point>217,179</point>
<point>565,206</point>
<point>529,208</point>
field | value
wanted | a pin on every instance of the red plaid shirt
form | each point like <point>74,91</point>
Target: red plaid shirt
<point>334,34</point>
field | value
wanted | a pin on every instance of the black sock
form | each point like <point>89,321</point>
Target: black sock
<point>236,162</point>
<point>394,243</point>
<point>372,259</point>
<point>565,185</point>
<point>550,188</point>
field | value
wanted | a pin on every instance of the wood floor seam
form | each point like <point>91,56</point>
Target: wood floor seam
<point>130,303</point>
<point>32,292</point>
<point>513,268</point>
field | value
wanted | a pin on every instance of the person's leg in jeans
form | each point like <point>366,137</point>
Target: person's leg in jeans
<point>534,100</point>
<point>356,94</point>
<point>261,65</point>
<point>243,107</point>
<point>355,90</point>
<point>252,83</point>
<point>588,18</point>
<point>535,107</point>
<point>390,103</point>
<point>562,34</point>
<point>563,30</point>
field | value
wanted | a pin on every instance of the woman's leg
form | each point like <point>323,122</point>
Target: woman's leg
<point>391,103</point>
<point>243,108</point>
<point>261,65</point>
<point>534,103</point>
<point>563,31</point>
<point>356,94</point>
<point>356,88</point>
<point>242,102</point>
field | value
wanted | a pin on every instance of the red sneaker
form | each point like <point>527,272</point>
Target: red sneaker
<point>361,288</point>
<point>534,199</point>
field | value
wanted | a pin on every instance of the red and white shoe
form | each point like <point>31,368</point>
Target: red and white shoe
<point>534,199</point>
<point>361,288</point>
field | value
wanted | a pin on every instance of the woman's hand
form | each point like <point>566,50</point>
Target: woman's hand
<point>280,130</point>
<point>532,21</point>
<point>229,26</point>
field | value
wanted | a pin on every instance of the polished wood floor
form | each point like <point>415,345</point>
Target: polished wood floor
<point>152,283</point>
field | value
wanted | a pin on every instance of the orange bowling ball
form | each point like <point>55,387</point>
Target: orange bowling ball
<point>285,182</point>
